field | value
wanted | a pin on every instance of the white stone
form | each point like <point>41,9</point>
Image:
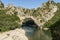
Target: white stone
<point>17,34</point>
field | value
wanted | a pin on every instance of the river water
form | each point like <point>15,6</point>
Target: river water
<point>34,33</point>
<point>37,34</point>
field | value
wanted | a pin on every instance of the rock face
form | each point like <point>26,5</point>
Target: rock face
<point>40,16</point>
<point>17,34</point>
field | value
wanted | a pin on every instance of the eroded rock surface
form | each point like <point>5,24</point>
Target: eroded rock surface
<point>17,34</point>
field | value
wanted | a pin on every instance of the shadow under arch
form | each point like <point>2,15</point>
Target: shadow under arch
<point>29,22</point>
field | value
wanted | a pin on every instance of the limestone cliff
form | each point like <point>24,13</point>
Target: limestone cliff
<point>40,15</point>
<point>11,17</point>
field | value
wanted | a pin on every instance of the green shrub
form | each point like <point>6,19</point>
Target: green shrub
<point>54,19</point>
<point>8,22</point>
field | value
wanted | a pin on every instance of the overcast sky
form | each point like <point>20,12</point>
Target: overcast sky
<point>26,3</point>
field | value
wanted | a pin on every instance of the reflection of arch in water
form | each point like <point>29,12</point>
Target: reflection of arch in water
<point>29,22</point>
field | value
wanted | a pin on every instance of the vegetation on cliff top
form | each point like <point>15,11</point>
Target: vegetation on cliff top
<point>8,22</point>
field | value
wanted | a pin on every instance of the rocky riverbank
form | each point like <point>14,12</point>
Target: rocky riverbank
<point>17,34</point>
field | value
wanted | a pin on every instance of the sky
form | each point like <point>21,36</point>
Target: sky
<point>26,3</point>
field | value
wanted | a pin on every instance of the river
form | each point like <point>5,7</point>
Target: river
<point>37,34</point>
<point>34,33</point>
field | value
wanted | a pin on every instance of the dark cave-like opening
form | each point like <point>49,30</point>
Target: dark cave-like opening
<point>29,23</point>
<point>32,27</point>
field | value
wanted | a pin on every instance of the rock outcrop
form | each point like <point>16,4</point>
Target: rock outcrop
<point>17,34</point>
<point>40,15</point>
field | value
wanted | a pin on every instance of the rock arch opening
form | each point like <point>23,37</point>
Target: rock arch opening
<point>29,22</point>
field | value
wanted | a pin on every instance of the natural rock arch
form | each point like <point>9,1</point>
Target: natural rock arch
<point>29,22</point>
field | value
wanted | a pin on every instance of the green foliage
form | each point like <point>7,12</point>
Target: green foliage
<point>1,5</point>
<point>55,30</point>
<point>8,22</point>
<point>27,19</point>
<point>35,13</point>
<point>54,25</point>
<point>54,19</point>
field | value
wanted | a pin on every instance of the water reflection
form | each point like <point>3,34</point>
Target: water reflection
<point>33,33</point>
<point>37,34</point>
<point>29,31</point>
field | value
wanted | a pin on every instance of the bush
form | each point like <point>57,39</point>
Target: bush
<point>53,20</point>
<point>8,22</point>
